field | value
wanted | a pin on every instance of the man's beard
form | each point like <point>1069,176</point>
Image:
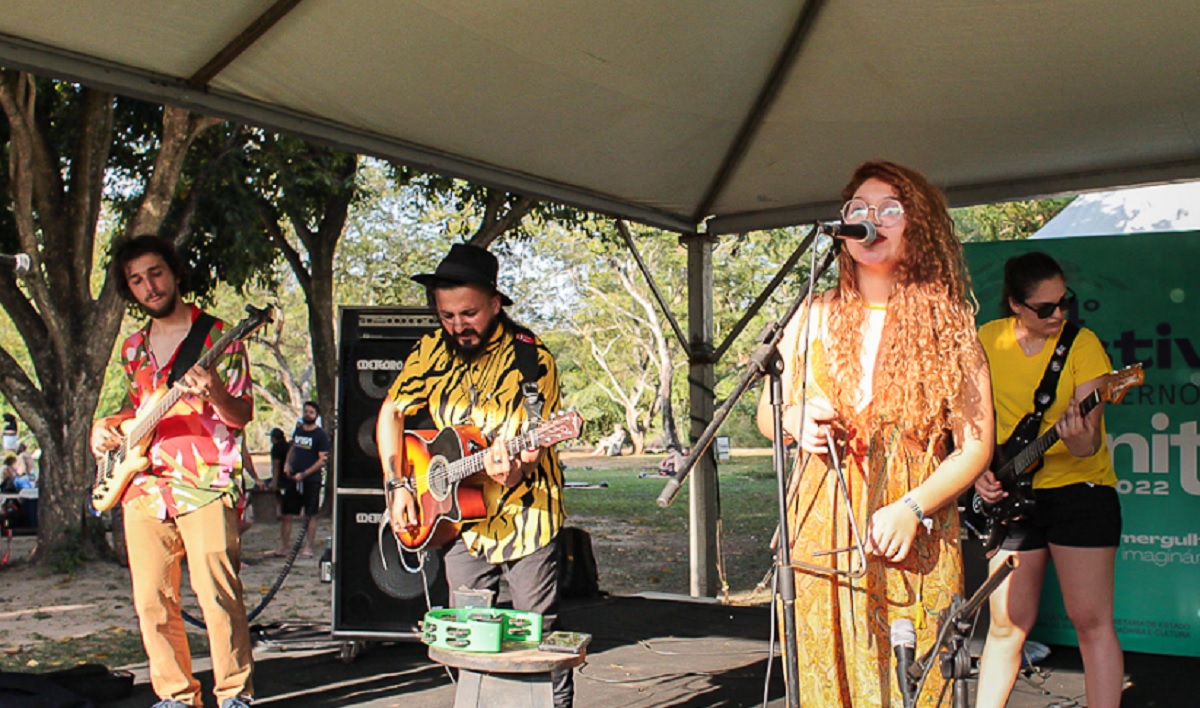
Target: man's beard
<point>471,351</point>
<point>308,421</point>
<point>164,311</point>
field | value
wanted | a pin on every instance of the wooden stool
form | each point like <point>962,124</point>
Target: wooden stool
<point>514,677</point>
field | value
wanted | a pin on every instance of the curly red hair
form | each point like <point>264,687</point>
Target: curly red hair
<point>928,350</point>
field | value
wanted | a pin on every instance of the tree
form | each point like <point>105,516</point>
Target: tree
<point>67,148</point>
<point>617,351</point>
<point>1006,221</point>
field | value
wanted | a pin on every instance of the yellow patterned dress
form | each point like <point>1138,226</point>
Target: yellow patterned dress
<point>843,624</point>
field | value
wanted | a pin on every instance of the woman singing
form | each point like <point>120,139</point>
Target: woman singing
<point>887,367</point>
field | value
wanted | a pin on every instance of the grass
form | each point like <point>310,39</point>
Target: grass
<point>112,647</point>
<point>640,546</point>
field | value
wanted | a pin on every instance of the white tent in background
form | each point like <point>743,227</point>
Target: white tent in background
<point>1164,207</point>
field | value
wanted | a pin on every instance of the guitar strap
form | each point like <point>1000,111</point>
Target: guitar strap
<point>1044,395</point>
<point>525,352</point>
<point>189,349</point>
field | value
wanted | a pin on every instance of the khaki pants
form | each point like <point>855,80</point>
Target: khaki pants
<point>209,539</point>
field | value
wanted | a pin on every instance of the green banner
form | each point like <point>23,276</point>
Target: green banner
<point>1134,293</point>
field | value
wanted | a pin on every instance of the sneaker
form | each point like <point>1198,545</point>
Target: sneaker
<point>1033,653</point>
<point>238,702</point>
<point>170,703</point>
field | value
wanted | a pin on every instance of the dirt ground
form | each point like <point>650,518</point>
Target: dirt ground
<point>37,607</point>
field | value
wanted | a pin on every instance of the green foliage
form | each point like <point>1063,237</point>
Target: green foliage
<point>1006,221</point>
<point>68,559</point>
<point>389,237</point>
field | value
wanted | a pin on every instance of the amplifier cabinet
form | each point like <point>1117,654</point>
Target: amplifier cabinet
<point>373,345</point>
<point>374,594</point>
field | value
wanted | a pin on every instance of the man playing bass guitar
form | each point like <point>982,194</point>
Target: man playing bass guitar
<point>481,369</point>
<point>1076,515</point>
<point>182,504</point>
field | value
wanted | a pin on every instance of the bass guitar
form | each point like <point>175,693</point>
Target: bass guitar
<point>438,465</point>
<point>1017,459</point>
<point>116,468</point>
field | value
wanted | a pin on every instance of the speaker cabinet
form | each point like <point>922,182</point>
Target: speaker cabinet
<point>374,344</point>
<point>374,594</point>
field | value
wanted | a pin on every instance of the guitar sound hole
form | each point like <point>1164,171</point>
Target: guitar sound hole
<point>439,478</point>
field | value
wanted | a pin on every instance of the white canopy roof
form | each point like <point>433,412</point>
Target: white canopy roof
<point>1166,207</point>
<point>670,112</point>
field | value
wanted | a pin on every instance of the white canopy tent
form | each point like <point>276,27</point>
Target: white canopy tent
<point>699,116</point>
<point>1164,207</point>
<point>742,114</point>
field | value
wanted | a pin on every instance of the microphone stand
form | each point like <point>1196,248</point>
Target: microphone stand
<point>765,361</point>
<point>954,656</point>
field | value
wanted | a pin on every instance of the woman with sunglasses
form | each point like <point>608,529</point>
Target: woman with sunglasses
<point>886,388</point>
<point>1076,519</point>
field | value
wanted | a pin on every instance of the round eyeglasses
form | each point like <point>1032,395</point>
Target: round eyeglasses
<point>1045,309</point>
<point>888,212</point>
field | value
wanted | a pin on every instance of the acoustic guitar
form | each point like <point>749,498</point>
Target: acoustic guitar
<point>1018,458</point>
<point>439,465</point>
<point>116,468</point>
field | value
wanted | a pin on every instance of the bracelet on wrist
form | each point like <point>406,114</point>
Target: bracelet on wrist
<point>397,483</point>
<point>916,509</point>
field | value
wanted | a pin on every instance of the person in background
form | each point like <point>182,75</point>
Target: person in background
<point>610,445</point>
<point>26,469</point>
<point>8,475</point>
<point>9,433</point>
<point>302,470</point>
<point>279,454</point>
<point>252,482</point>
<point>26,465</point>
<point>1076,520</point>
<point>887,368</point>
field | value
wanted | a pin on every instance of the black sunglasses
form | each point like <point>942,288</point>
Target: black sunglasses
<point>1046,309</point>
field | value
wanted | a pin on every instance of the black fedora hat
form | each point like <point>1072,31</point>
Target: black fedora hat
<point>465,264</point>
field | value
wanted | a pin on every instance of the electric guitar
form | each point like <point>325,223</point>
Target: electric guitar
<point>116,468</point>
<point>1017,459</point>
<point>438,465</point>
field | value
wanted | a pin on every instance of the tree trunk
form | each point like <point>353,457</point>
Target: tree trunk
<point>68,330</point>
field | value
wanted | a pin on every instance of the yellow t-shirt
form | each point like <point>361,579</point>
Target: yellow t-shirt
<point>486,392</point>
<point>1016,376</point>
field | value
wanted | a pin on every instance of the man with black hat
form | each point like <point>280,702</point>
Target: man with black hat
<point>483,369</point>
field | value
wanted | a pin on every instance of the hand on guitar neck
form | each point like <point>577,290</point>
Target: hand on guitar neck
<point>433,477</point>
<point>502,467</point>
<point>1079,432</point>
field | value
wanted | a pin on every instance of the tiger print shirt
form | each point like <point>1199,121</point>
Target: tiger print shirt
<point>486,392</point>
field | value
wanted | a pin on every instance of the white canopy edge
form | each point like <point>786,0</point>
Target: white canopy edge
<point>45,61</point>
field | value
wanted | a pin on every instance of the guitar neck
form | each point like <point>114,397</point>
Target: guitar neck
<point>1030,453</point>
<point>473,464</point>
<point>147,423</point>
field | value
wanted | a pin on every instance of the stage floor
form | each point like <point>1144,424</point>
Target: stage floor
<point>646,651</point>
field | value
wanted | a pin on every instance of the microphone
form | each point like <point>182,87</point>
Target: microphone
<point>19,262</point>
<point>904,645</point>
<point>863,231</point>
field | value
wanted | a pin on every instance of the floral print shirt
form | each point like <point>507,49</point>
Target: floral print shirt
<point>195,459</point>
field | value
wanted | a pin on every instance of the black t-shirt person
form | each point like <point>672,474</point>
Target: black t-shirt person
<point>307,446</point>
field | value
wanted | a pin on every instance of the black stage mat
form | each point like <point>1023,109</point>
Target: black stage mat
<point>659,651</point>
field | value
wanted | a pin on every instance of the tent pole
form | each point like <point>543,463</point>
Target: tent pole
<point>702,498</point>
